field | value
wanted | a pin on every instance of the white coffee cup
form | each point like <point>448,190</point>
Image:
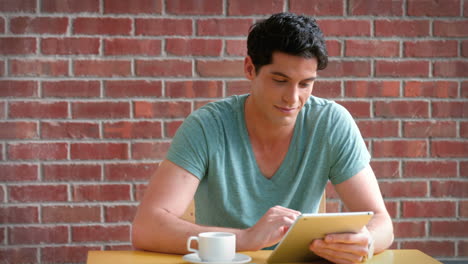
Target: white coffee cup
<point>214,246</point>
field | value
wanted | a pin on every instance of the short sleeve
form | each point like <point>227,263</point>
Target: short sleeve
<point>348,151</point>
<point>189,147</point>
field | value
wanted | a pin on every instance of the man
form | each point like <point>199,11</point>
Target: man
<point>255,162</point>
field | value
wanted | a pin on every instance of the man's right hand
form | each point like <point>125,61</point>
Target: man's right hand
<point>270,228</point>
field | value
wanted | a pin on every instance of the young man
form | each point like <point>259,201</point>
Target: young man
<point>255,162</point>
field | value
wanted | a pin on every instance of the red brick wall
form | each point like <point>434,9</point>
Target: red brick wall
<point>92,91</point>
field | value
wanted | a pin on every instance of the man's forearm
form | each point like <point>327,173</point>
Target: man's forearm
<point>381,229</point>
<point>166,233</point>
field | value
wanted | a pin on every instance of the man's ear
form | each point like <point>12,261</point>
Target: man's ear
<point>249,68</point>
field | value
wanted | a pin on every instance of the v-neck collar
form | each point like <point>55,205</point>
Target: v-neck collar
<point>280,172</point>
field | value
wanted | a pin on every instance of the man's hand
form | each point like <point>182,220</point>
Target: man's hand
<point>343,248</point>
<point>270,228</point>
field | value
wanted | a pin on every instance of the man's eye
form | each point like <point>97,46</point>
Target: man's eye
<point>304,85</point>
<point>279,81</point>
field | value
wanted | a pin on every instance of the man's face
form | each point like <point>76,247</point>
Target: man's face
<point>279,90</point>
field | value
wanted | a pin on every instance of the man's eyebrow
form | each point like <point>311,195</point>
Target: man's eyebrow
<point>286,76</point>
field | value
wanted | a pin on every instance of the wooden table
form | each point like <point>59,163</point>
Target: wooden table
<point>259,257</point>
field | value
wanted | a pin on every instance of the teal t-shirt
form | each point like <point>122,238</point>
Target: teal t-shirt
<point>213,144</point>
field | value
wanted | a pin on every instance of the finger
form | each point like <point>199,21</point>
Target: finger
<point>334,258</point>
<point>355,249</point>
<point>348,238</point>
<point>323,249</point>
<point>285,209</point>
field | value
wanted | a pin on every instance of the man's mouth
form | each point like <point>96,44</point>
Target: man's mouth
<point>286,109</point>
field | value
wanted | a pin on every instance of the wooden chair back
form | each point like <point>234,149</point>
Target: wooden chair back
<point>189,214</point>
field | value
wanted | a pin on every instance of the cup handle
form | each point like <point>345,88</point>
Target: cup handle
<point>189,241</point>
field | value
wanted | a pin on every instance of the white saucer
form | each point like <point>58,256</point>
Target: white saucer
<point>238,259</point>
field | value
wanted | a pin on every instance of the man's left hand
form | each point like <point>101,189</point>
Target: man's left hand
<point>343,248</point>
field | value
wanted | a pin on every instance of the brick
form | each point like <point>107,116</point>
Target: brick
<point>18,172</point>
<point>376,128</point>
<point>28,67</point>
<point>129,171</point>
<point>123,46</point>
<point>36,235</point>
<point>386,169</point>
<point>18,130</point>
<point>464,129</point>
<point>464,47</point>
<point>17,46</point>
<point>199,104</point>
<point>2,112</point>
<point>19,255</point>
<point>403,189</point>
<point>450,68</point>
<point>317,7</point>
<point>129,130</point>
<point>372,88</point>
<point>102,26</point>
<point>463,208</point>
<point>236,47</point>
<point>119,213</point>
<point>37,151</point>
<point>38,193</point>
<point>170,128</point>
<point>97,233</point>
<point>357,109</point>
<point>431,48</point>
<point>220,68</point>
<point>347,69</point>
<point>402,28</point>
<point>107,192</point>
<point>433,8</point>
<point>71,89</point>
<point>432,169</point>
<point>73,130</point>
<point>66,254</point>
<point>163,26</point>
<point>450,28</point>
<point>70,46</point>
<point>28,6</point>
<point>409,229</point>
<point>170,109</point>
<point>132,7</point>
<point>223,26</point>
<point>71,172</point>
<point>100,151</point>
<point>400,148</point>
<point>70,6</point>
<point>464,89</point>
<point>259,7</point>
<point>436,248</point>
<point>371,48</point>
<point>19,215</point>
<point>465,13</point>
<point>194,7</point>
<point>411,109</point>
<point>428,209</point>
<point>450,109</point>
<point>449,189</point>
<point>38,25</point>
<point>71,214</point>
<point>133,88</point>
<point>2,25</point>
<point>375,7</point>
<point>325,89</point>
<point>402,69</point>
<point>164,68</point>
<point>38,110</point>
<point>463,245</point>
<point>449,149</point>
<point>439,89</point>
<point>194,47</point>
<point>2,66</point>
<point>194,89</point>
<point>424,129</point>
<point>100,109</point>
<point>149,150</point>
<point>345,28</point>
<point>102,68</point>
<point>333,48</point>
<point>237,87</point>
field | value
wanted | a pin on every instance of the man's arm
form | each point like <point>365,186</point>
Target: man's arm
<point>158,227</point>
<point>359,193</point>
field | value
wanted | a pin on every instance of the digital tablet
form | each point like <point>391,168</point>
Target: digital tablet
<point>294,247</point>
